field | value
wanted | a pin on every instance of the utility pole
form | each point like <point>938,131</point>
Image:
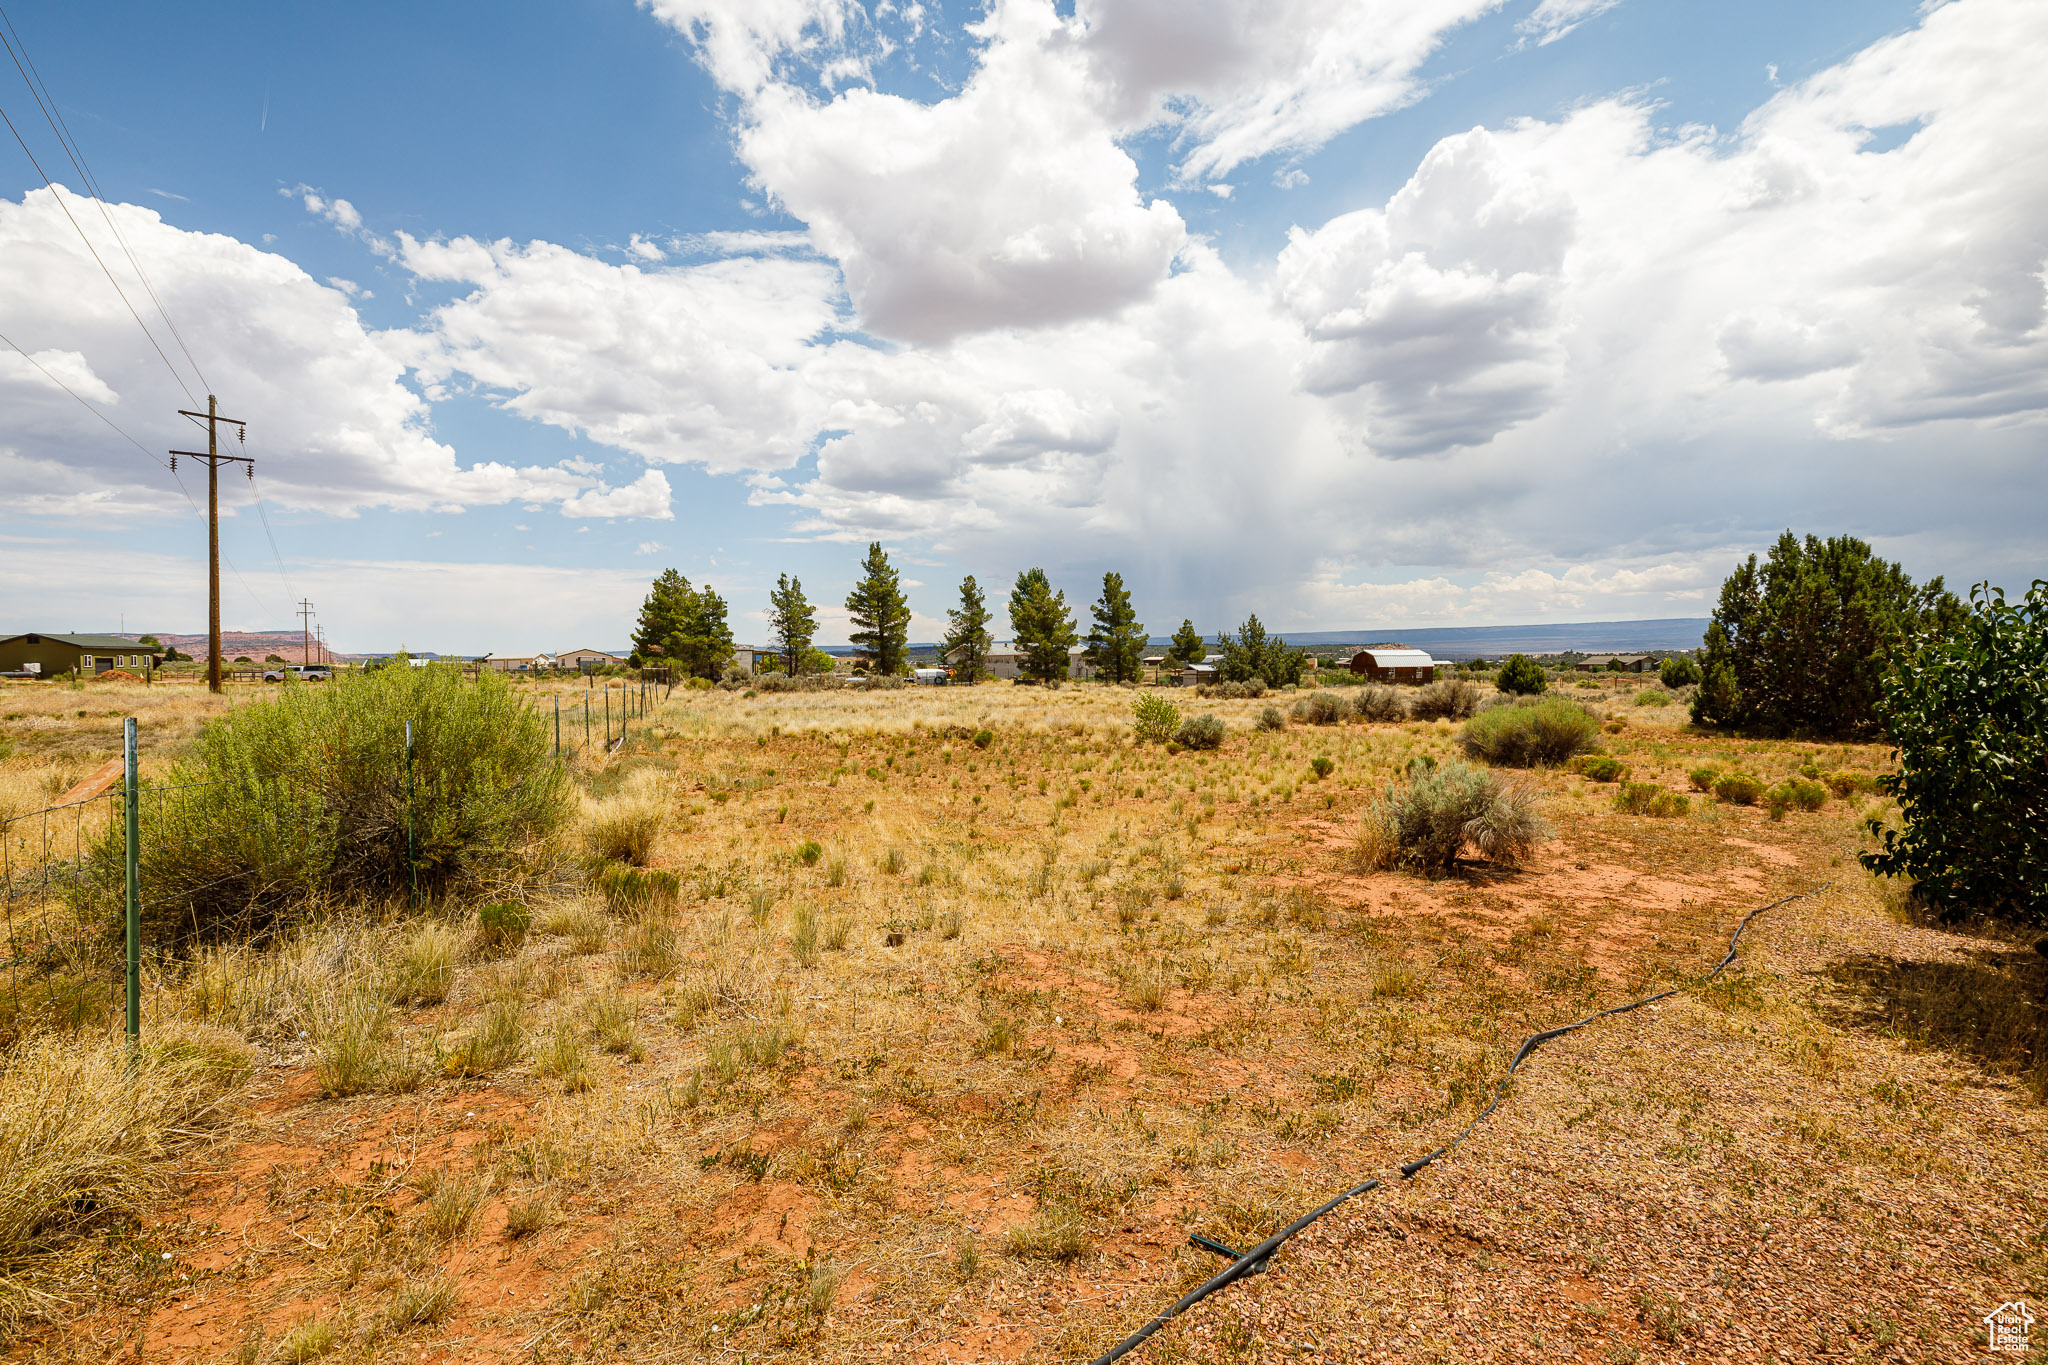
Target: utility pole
<point>213,459</point>
<point>305,637</point>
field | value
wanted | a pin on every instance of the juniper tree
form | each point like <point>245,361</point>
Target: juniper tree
<point>881,616</point>
<point>792,621</point>
<point>1116,644</point>
<point>1044,630</point>
<point>967,631</point>
<point>1188,645</point>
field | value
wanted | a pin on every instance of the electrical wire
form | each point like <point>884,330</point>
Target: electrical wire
<point>96,256</point>
<point>54,116</point>
<point>93,410</point>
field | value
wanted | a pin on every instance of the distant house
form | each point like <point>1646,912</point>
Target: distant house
<point>748,657</point>
<point>509,663</point>
<point>1617,663</point>
<point>1394,664</point>
<point>1207,671</point>
<point>1078,667</point>
<point>586,659</point>
<point>1002,660</point>
<point>89,654</point>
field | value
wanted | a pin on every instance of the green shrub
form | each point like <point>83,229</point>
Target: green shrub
<point>1201,732</point>
<point>1425,822</point>
<point>1530,733</point>
<point>1647,798</point>
<point>1320,708</point>
<point>631,891</point>
<point>808,852</point>
<point>984,738</point>
<point>1970,720</point>
<point>1846,784</point>
<point>1738,789</point>
<point>501,926</point>
<point>1271,719</point>
<point>1599,767</point>
<point>1678,671</point>
<point>1703,779</point>
<point>280,809</point>
<point>1445,699</point>
<point>1521,675</point>
<point>1154,718</point>
<point>1322,767</point>
<point>1379,702</point>
<point>1795,793</point>
<point>1653,696</point>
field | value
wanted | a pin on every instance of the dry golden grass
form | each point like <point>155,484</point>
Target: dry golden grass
<point>947,1048</point>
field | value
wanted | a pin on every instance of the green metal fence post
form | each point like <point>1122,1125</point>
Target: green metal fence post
<point>131,801</point>
<point>411,861</point>
<point>558,725</point>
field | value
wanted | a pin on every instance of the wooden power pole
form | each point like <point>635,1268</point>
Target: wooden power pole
<point>213,459</point>
<point>305,632</point>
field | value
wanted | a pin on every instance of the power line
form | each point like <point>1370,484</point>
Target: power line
<point>54,116</point>
<point>96,255</point>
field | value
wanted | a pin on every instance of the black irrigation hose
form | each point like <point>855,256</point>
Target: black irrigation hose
<point>1254,1261</point>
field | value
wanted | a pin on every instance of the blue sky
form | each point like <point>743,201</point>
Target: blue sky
<point>1474,313</point>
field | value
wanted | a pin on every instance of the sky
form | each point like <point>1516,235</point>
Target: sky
<point>1352,313</point>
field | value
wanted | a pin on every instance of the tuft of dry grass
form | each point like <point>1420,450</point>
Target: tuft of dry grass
<point>625,828</point>
<point>423,967</point>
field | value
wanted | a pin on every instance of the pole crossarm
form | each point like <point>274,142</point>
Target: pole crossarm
<point>202,455</point>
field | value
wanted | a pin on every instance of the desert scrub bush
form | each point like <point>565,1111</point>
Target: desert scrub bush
<point>278,810</point>
<point>1678,671</point>
<point>1321,767</point>
<point>1703,779</point>
<point>422,968</point>
<point>1846,784</point>
<point>1795,793</point>
<point>501,926</point>
<point>809,851</point>
<point>1521,676</point>
<point>1738,789</point>
<point>1425,821</point>
<point>1444,699</point>
<point>1647,798</point>
<point>85,1139</point>
<point>625,829</point>
<point>628,890</point>
<point>1599,767</point>
<point>1154,718</point>
<point>1320,708</point>
<point>1270,719</point>
<point>1379,702</point>
<point>1201,732</point>
<point>1530,733</point>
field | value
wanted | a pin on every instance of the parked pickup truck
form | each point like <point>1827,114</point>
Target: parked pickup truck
<point>302,672</point>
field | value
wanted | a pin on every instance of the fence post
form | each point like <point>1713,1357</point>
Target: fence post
<point>131,802</point>
<point>411,862</point>
<point>558,725</point>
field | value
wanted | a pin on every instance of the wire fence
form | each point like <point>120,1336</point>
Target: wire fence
<point>111,890</point>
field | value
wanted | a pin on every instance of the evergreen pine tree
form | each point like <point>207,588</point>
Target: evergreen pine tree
<point>792,621</point>
<point>1188,645</point>
<point>1116,644</point>
<point>702,640</point>
<point>661,615</point>
<point>967,632</point>
<point>881,616</point>
<point>1044,630</point>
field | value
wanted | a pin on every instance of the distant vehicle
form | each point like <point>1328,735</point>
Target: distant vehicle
<point>302,672</point>
<point>930,677</point>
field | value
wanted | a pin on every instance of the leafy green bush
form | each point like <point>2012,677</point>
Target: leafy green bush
<point>501,926</point>
<point>1599,767</point>
<point>1970,720</point>
<point>1846,784</point>
<point>808,852</point>
<point>1678,671</point>
<point>1320,708</point>
<point>1379,702</point>
<point>1271,719</point>
<point>1653,696</point>
<point>1703,779</point>
<point>984,738</point>
<point>1250,689</point>
<point>1647,798</point>
<point>1445,699</point>
<point>1425,822</point>
<point>1154,718</point>
<point>1201,732</point>
<point>1321,767</point>
<point>1530,734</point>
<point>1522,676</point>
<point>630,891</point>
<point>303,802</point>
<point>1738,789</point>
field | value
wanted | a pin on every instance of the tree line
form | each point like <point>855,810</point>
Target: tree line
<point>684,627</point>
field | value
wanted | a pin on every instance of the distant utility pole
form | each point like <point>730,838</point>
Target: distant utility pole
<point>213,459</point>
<point>320,639</point>
<point>305,637</point>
